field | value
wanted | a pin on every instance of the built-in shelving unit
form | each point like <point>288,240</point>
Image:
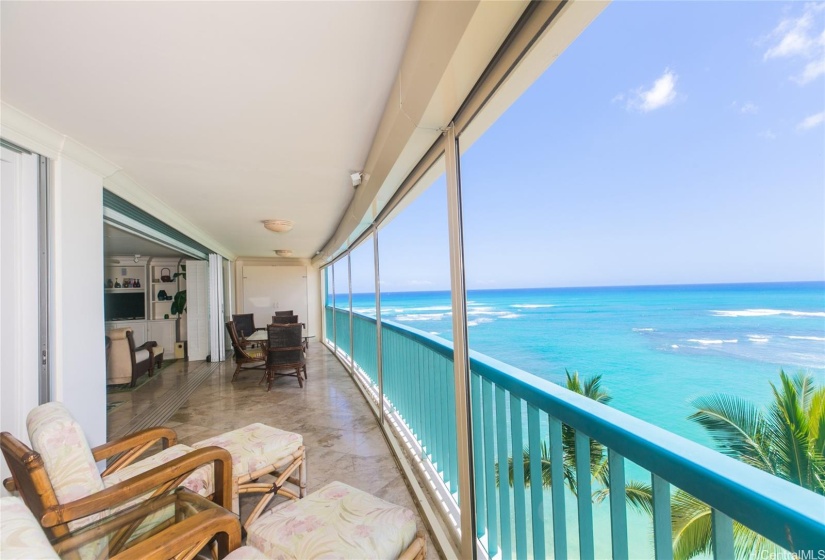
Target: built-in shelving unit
<point>159,268</point>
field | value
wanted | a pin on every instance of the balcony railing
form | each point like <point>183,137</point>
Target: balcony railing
<point>516,414</point>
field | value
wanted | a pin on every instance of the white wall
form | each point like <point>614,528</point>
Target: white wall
<point>19,294</point>
<point>314,304</point>
<point>77,329</point>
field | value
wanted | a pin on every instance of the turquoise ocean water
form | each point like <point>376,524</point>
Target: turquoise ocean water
<point>657,347</point>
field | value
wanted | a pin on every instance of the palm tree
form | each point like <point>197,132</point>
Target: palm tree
<point>786,440</point>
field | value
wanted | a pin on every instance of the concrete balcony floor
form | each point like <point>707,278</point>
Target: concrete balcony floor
<point>342,437</point>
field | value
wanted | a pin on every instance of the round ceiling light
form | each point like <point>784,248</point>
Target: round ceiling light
<point>283,252</point>
<point>278,226</point>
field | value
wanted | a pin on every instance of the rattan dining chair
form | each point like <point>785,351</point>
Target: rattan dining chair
<point>245,324</point>
<point>284,319</point>
<point>285,353</point>
<point>284,313</point>
<point>252,358</point>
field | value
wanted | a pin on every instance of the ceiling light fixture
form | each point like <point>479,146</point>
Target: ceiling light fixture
<point>278,226</point>
<point>283,252</point>
<point>137,258</point>
<point>356,178</point>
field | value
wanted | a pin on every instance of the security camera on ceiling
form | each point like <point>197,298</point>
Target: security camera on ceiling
<point>356,179</point>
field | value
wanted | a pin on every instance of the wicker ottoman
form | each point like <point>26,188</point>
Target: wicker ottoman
<point>259,450</point>
<point>337,521</point>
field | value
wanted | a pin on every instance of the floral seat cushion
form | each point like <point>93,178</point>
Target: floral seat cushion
<point>255,447</point>
<point>337,521</point>
<point>246,553</point>
<point>21,536</point>
<point>200,481</point>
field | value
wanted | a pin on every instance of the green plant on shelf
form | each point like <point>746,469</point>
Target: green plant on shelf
<point>179,301</point>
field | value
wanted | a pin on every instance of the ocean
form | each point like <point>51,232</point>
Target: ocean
<point>656,347</point>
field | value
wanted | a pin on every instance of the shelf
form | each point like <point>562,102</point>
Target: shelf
<point>170,301</point>
<point>123,290</point>
<point>163,283</point>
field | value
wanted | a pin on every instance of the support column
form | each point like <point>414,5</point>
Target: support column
<point>379,366</point>
<point>461,362</point>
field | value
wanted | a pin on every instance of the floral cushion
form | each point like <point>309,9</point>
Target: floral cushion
<point>21,536</point>
<point>67,457</point>
<point>246,553</point>
<point>337,521</point>
<point>255,447</point>
<point>200,481</point>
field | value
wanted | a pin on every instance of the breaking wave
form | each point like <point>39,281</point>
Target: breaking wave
<point>766,313</point>
<point>707,341</point>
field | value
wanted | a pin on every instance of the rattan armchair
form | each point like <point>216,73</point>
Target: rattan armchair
<point>64,489</point>
<point>285,353</point>
<point>253,358</point>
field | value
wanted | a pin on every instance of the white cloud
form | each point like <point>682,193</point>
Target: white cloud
<point>749,109</point>
<point>660,94</point>
<point>812,71</point>
<point>767,135</point>
<point>811,121</point>
<point>799,37</point>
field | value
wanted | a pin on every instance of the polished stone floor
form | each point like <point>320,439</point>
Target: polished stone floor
<point>341,435</point>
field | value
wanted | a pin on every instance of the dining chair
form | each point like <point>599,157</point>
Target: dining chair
<point>243,354</point>
<point>284,319</point>
<point>284,313</point>
<point>285,352</point>
<point>245,324</point>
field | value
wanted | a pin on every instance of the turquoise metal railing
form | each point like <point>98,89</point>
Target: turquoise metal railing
<point>342,330</point>
<point>328,330</point>
<point>365,349</point>
<point>518,416</point>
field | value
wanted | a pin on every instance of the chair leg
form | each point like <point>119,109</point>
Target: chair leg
<point>237,371</point>
<point>300,379</point>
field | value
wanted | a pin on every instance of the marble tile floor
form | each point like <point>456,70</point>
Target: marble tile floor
<point>341,435</point>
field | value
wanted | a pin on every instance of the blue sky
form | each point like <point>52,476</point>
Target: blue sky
<point>673,142</point>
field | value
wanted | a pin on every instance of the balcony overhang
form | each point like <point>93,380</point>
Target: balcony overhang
<point>451,49</point>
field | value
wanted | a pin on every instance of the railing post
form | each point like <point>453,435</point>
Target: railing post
<point>379,366</point>
<point>334,320</point>
<point>461,362</point>
<point>351,333</point>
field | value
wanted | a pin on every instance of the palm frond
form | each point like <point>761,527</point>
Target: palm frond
<point>737,426</point>
<point>691,524</point>
<point>789,425</point>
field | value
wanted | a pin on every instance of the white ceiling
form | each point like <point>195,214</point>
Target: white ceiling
<point>229,112</point>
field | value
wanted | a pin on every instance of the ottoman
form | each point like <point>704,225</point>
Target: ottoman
<point>259,450</point>
<point>337,521</point>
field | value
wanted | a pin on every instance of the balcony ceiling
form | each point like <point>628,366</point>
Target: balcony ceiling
<point>230,113</point>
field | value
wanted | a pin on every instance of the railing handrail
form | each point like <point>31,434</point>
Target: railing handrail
<point>750,496</point>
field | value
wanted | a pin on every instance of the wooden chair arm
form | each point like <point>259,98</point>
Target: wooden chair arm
<point>133,446</point>
<point>189,535</point>
<point>160,479</point>
<point>148,345</point>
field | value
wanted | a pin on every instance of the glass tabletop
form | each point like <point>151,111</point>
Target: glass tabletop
<point>137,526</point>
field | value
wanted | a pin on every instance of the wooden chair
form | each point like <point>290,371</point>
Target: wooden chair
<point>63,488</point>
<point>244,355</point>
<point>284,319</point>
<point>285,351</point>
<point>284,313</point>
<point>23,538</point>
<point>126,362</point>
<point>245,324</point>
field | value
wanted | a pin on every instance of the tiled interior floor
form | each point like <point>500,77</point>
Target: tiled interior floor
<point>341,435</point>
